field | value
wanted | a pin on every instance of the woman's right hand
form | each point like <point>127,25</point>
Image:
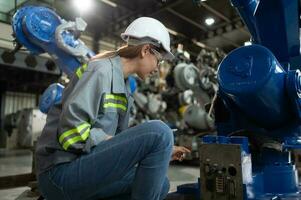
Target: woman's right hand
<point>179,153</point>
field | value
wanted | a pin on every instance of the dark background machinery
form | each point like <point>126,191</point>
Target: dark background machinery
<point>181,94</point>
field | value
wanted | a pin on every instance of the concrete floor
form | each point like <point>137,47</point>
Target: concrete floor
<point>19,162</point>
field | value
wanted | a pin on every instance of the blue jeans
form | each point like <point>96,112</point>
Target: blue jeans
<point>132,165</point>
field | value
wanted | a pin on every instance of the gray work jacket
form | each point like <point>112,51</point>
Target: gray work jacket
<point>95,104</point>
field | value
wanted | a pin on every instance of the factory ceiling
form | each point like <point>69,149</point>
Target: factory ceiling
<point>185,19</point>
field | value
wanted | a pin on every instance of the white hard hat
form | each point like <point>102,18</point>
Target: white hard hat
<point>148,30</point>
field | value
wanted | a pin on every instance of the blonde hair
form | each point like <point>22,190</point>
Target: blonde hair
<point>126,51</point>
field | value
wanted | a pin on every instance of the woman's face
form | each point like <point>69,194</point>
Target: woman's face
<point>149,62</point>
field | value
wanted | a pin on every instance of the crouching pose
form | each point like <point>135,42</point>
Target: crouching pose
<point>86,150</point>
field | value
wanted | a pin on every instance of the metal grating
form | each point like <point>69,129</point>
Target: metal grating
<point>15,101</point>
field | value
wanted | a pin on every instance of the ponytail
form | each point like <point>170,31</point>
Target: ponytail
<point>126,51</point>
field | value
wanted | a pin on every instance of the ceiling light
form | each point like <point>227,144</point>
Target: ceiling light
<point>82,5</point>
<point>209,21</point>
<point>110,3</point>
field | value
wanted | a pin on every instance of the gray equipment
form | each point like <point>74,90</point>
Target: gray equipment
<point>31,123</point>
<point>196,117</point>
<point>223,171</point>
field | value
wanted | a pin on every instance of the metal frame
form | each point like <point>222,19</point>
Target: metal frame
<point>20,63</point>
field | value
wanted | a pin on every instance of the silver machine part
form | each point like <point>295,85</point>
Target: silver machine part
<point>221,171</point>
<point>196,117</point>
<point>186,76</point>
<point>140,99</point>
<point>151,103</point>
<point>80,50</point>
<point>155,104</point>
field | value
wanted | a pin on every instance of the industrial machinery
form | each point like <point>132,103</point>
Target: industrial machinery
<point>28,124</point>
<point>180,95</point>
<point>41,30</point>
<point>148,101</point>
<point>195,86</point>
<point>258,103</point>
<point>195,95</point>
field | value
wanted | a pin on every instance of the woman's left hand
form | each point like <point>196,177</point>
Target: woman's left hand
<point>179,153</point>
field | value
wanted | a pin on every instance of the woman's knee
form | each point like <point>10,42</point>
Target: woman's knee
<point>164,131</point>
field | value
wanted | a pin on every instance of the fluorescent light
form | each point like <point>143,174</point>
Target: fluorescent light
<point>209,21</point>
<point>82,5</point>
<point>172,32</point>
<point>110,3</point>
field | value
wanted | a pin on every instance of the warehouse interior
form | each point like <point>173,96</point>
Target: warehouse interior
<point>230,95</point>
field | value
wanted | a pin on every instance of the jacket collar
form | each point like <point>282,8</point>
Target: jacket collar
<point>118,82</point>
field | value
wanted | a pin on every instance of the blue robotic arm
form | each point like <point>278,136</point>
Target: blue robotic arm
<point>261,82</point>
<point>41,30</point>
<point>275,25</point>
<point>260,90</point>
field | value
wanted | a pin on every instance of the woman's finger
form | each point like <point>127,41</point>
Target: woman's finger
<point>184,149</point>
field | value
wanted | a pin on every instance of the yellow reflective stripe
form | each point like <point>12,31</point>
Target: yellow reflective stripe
<point>79,73</point>
<point>114,105</point>
<point>72,131</point>
<point>71,141</point>
<point>85,66</point>
<point>116,97</point>
<point>81,70</point>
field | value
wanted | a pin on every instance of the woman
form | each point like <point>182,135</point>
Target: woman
<point>86,150</point>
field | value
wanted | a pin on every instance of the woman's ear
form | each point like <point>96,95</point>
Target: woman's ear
<point>145,50</point>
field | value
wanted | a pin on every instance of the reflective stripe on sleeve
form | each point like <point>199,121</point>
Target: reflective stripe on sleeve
<point>75,135</point>
<point>81,70</point>
<point>80,138</point>
<point>114,105</point>
<point>116,97</point>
